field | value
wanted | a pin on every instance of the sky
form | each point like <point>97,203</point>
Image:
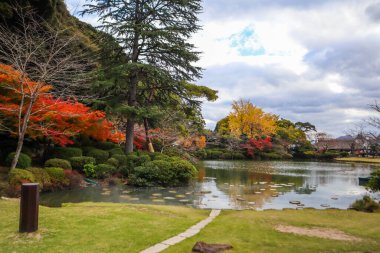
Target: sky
<point>314,61</point>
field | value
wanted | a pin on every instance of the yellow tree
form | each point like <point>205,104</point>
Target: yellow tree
<point>246,118</point>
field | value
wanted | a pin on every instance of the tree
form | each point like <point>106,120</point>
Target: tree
<point>252,121</point>
<point>51,118</point>
<point>41,55</point>
<point>151,32</point>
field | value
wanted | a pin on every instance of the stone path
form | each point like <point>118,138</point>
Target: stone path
<point>182,236</point>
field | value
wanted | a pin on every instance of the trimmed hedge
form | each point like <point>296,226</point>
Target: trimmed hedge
<point>24,161</point>
<point>176,172</point>
<point>116,151</point>
<point>78,162</point>
<point>101,156</point>
<point>57,177</point>
<point>66,153</point>
<point>123,159</point>
<point>19,176</point>
<point>113,162</point>
<point>106,145</point>
<point>60,163</point>
<point>42,177</point>
<point>104,170</point>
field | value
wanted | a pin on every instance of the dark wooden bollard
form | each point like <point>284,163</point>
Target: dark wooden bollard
<point>29,208</point>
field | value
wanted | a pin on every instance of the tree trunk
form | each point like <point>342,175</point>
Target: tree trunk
<point>21,134</point>
<point>129,131</point>
<point>148,140</point>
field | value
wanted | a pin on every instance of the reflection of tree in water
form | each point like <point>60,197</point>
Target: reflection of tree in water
<point>306,189</point>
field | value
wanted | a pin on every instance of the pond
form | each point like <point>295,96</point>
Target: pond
<point>243,185</point>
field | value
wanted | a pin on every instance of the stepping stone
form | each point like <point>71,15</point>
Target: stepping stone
<point>169,198</point>
<point>334,198</point>
<point>134,199</point>
<point>262,189</point>
<point>263,182</point>
<point>325,205</point>
<point>188,193</point>
<point>257,192</point>
<point>157,194</point>
<point>203,247</point>
<point>205,192</point>
<point>295,202</point>
<point>274,195</point>
<point>126,192</point>
<point>180,196</point>
<point>215,196</point>
<point>172,191</point>
<point>301,205</point>
<point>240,199</point>
<point>251,203</point>
<point>184,200</point>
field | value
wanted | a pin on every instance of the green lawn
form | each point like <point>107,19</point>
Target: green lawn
<point>250,231</point>
<point>359,159</point>
<point>95,227</point>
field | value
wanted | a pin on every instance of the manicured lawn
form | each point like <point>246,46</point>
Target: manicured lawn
<point>95,227</point>
<point>359,159</point>
<point>251,231</point>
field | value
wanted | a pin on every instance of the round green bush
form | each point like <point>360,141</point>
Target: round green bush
<point>19,176</point>
<point>184,172</point>
<point>66,153</point>
<point>367,204</point>
<point>143,159</point>
<point>106,145</point>
<point>163,173</point>
<point>116,151</point>
<point>101,156</point>
<point>60,163</point>
<point>78,162</point>
<point>41,177</point>
<point>57,176</point>
<point>24,161</point>
<point>104,170</point>
<point>87,149</point>
<point>374,182</point>
<point>123,159</point>
<point>113,161</point>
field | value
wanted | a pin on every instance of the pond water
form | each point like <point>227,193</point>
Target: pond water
<point>243,185</point>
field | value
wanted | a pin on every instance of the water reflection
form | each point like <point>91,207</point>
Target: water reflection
<point>243,185</point>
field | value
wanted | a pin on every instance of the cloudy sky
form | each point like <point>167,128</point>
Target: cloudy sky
<point>305,60</point>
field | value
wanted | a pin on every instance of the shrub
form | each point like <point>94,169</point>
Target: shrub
<point>201,154</point>
<point>123,160</point>
<point>106,145</point>
<point>57,177</point>
<point>89,170</point>
<point>100,156</point>
<point>329,155</point>
<point>16,178</point>
<point>116,151</point>
<point>160,156</point>
<point>374,182</point>
<point>66,153</point>
<point>19,176</point>
<point>132,160</point>
<point>125,171</point>
<point>104,170</point>
<point>184,172</point>
<point>113,161</point>
<point>73,177</point>
<point>41,177</point>
<point>270,156</point>
<point>24,161</point>
<point>78,162</point>
<point>87,149</point>
<point>366,205</point>
<point>59,163</point>
<point>143,159</point>
<point>163,173</point>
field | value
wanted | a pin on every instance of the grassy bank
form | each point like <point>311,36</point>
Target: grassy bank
<point>249,231</point>
<point>359,159</point>
<point>95,227</point>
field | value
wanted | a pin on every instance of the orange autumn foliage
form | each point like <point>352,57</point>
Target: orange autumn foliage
<point>54,118</point>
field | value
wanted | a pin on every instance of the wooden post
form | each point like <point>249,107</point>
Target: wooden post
<point>29,208</point>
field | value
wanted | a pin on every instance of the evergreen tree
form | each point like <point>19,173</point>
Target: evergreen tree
<point>153,32</point>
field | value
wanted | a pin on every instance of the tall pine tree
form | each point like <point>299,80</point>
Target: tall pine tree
<point>153,32</point>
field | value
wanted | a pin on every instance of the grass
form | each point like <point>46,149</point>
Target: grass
<point>358,159</point>
<point>95,227</point>
<point>250,231</point>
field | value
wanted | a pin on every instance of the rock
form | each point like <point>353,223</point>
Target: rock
<point>180,196</point>
<point>169,198</point>
<point>210,248</point>
<point>251,203</point>
<point>325,205</point>
<point>205,192</point>
<point>334,198</point>
<point>274,195</point>
<point>295,202</point>
<point>240,199</point>
<point>156,194</point>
